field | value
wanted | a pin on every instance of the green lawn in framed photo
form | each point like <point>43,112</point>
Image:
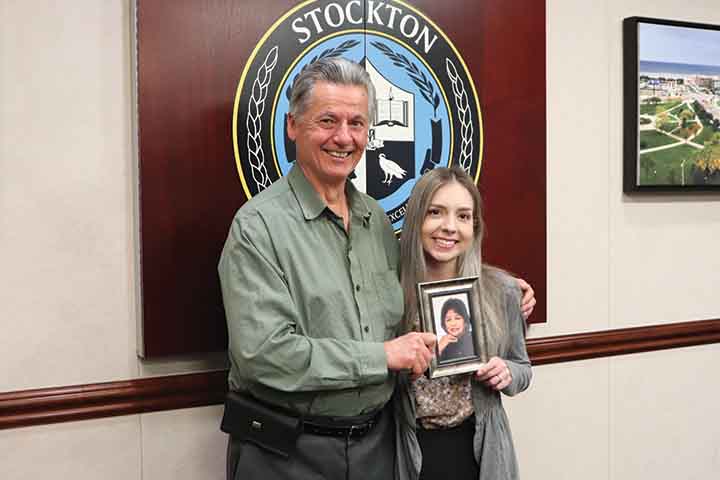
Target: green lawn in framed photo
<point>672,105</point>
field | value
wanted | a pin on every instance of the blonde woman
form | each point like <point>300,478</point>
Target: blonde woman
<point>457,424</point>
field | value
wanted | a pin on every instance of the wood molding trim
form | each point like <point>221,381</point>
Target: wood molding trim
<point>82,402</point>
<point>606,343</point>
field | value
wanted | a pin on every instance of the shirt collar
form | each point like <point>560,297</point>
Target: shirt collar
<point>312,205</point>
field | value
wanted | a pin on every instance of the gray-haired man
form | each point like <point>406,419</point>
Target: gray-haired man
<point>313,302</point>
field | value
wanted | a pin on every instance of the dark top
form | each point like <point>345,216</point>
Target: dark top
<point>464,347</point>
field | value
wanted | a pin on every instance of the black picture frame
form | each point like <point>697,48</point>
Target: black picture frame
<point>671,151</point>
<point>469,352</point>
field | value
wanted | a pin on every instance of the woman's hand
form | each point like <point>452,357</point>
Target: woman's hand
<point>445,341</point>
<point>527,304</point>
<point>495,374</point>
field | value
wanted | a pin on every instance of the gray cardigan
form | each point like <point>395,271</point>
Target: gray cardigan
<point>493,445</point>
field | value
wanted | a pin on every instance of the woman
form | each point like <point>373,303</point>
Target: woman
<point>458,342</point>
<point>458,421</point>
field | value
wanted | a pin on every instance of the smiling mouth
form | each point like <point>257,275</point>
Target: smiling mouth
<point>336,154</point>
<point>442,243</point>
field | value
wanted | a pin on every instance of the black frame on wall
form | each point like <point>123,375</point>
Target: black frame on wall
<point>689,178</point>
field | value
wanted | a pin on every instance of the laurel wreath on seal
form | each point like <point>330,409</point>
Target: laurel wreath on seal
<point>464,115</point>
<point>327,53</point>
<point>253,121</point>
<point>416,75</point>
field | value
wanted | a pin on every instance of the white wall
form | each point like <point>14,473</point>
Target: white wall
<point>67,249</point>
<point>67,278</point>
<point>615,262</point>
<point>65,193</point>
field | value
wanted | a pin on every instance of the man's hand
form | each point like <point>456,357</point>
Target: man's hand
<point>413,352</point>
<point>527,304</point>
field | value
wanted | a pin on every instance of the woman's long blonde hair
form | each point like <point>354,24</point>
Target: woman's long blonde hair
<point>413,267</point>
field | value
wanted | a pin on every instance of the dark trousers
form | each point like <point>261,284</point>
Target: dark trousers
<point>371,456</point>
<point>448,453</point>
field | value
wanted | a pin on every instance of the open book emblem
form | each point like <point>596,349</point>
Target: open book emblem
<point>390,111</point>
<point>389,160</point>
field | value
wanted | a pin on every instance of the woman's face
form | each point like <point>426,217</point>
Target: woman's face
<point>447,231</point>
<point>454,323</point>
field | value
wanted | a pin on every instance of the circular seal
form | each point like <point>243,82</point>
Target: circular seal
<point>427,110</point>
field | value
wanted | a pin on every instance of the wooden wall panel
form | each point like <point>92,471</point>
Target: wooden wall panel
<point>503,44</point>
<point>191,54</point>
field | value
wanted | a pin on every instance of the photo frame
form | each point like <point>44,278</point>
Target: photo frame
<point>450,310</point>
<point>671,89</point>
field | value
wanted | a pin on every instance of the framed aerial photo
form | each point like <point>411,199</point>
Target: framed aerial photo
<point>449,309</point>
<point>671,105</point>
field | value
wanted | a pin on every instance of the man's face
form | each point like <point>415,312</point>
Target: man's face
<point>330,136</point>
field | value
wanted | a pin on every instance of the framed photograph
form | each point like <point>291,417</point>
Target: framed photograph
<point>671,106</point>
<point>450,309</point>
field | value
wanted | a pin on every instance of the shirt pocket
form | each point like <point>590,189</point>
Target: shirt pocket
<point>390,300</point>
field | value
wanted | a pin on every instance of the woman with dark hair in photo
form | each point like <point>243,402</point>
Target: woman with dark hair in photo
<point>458,343</point>
<point>455,427</point>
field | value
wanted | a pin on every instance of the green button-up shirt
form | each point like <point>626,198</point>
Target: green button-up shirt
<point>309,304</point>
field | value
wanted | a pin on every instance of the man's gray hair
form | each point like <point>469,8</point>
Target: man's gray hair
<point>335,70</point>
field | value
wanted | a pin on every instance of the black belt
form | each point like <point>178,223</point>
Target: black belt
<point>354,430</point>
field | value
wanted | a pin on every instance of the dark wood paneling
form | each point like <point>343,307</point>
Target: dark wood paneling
<point>190,57</point>
<point>81,402</point>
<point>191,54</point>
<point>503,45</point>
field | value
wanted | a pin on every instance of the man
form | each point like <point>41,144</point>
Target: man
<point>312,296</point>
<point>313,302</point>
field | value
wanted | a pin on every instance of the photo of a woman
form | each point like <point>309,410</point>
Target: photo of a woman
<point>457,343</point>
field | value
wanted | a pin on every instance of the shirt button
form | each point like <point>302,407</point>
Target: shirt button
<point>367,329</point>
<point>357,288</point>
